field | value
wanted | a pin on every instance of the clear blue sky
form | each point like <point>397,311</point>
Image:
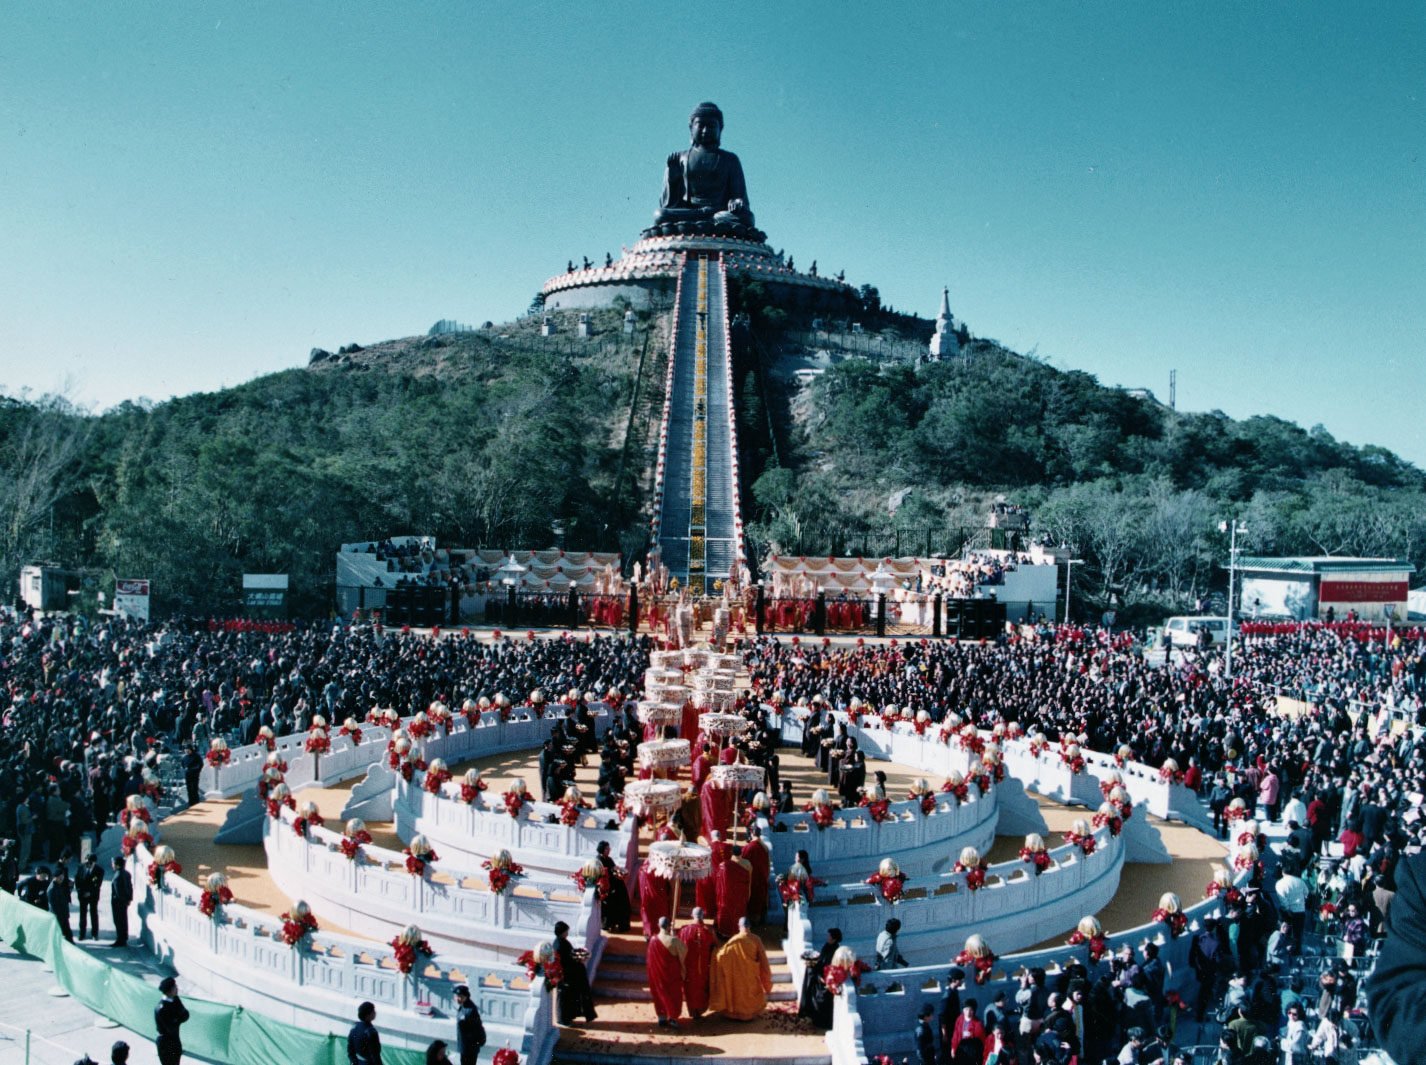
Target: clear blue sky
<point>192,194</point>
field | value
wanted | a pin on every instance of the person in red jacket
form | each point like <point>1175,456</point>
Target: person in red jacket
<point>665,959</point>
<point>700,942</point>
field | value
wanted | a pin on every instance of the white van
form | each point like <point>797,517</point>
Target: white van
<point>1183,631</point>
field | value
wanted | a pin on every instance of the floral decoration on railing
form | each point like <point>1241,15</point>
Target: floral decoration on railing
<point>351,730</point>
<point>298,924</point>
<point>821,808</point>
<point>978,957</point>
<point>407,946</point>
<point>844,966</point>
<point>1170,773</point>
<point>279,796</point>
<point>593,874</point>
<point>973,866</point>
<point>1170,913</point>
<point>164,862</point>
<point>471,787</point>
<point>437,774</point>
<point>218,753</point>
<point>1089,932</point>
<point>215,893</point>
<point>1108,816</point>
<point>318,740</point>
<point>572,806</point>
<point>354,837</point>
<point>308,817</point>
<point>1035,853</point>
<point>544,960</point>
<point>135,836</point>
<point>517,797</point>
<point>1081,834</point>
<point>889,880</point>
<point>923,796</point>
<point>502,870</point>
<point>267,738</point>
<point>876,804</point>
<point>956,787</point>
<point>419,855</point>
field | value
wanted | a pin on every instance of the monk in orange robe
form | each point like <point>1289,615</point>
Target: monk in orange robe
<point>700,942</point>
<point>655,899</point>
<point>758,857</point>
<point>665,960</point>
<point>734,879</point>
<point>742,977</point>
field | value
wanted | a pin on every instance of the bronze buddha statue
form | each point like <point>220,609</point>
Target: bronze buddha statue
<point>704,191</point>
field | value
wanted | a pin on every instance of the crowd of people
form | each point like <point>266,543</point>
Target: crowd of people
<point>1339,779</point>
<point>92,708</point>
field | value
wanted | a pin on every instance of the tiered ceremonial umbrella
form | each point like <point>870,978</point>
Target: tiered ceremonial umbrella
<point>738,777</point>
<point>663,755</point>
<point>679,862</point>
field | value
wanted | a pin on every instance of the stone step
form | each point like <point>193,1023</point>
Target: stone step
<point>637,976</point>
<point>586,1057</point>
<point>620,991</point>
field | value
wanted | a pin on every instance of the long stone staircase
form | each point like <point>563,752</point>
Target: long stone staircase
<point>698,534</point>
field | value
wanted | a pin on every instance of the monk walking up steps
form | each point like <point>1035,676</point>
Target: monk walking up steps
<point>742,977</point>
<point>666,964</point>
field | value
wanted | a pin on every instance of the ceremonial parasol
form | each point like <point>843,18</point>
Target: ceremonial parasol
<point>666,660</point>
<point>738,778</point>
<point>720,725</point>
<point>647,797</point>
<point>663,754</point>
<point>663,676</point>
<point>665,693</point>
<point>713,700</point>
<point>678,862</point>
<point>660,713</point>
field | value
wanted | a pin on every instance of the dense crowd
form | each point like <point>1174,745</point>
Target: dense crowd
<point>1335,777</point>
<point>88,707</point>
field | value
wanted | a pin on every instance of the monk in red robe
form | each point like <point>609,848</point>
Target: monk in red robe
<point>700,942</point>
<point>689,730</point>
<point>759,858</point>
<point>706,890</point>
<point>702,762</point>
<point>718,803</point>
<point>734,879</point>
<point>655,899</point>
<point>665,959</point>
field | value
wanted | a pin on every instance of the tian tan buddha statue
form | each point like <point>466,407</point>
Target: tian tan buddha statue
<point>703,189</point>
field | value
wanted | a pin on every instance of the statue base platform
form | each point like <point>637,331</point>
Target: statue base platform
<point>645,275</point>
<point>706,229</point>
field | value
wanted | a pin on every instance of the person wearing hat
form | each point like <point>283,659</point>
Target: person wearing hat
<point>470,1031</point>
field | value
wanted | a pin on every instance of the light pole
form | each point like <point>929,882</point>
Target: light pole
<point>1232,528</point>
<point>1070,563</point>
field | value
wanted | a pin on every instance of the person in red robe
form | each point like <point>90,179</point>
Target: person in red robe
<point>689,730</point>
<point>706,890</point>
<point>760,860</point>
<point>702,762</point>
<point>734,881</point>
<point>718,803</point>
<point>655,899</point>
<point>665,960</point>
<point>700,942</point>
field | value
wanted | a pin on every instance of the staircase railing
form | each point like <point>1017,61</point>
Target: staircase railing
<point>661,470</point>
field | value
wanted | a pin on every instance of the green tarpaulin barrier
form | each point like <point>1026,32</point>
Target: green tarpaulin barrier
<point>226,1034</point>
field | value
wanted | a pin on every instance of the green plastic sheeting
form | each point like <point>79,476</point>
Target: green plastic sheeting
<point>220,1033</point>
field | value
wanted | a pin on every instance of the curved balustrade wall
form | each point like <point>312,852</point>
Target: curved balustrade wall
<point>854,842</point>
<point>378,897</point>
<point>888,1001</point>
<point>237,960</point>
<point>1014,908</point>
<point>467,834</point>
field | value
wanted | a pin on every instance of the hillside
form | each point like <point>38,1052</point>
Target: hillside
<point>477,438</point>
<point>849,445</point>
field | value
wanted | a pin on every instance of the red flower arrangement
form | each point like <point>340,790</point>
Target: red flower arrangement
<point>153,791</point>
<point>297,928</point>
<point>1074,761</point>
<point>878,810</point>
<point>791,890</point>
<point>1086,843</point>
<point>406,953</point>
<point>1037,747</point>
<point>891,886</point>
<point>434,779</point>
<point>351,845</point>
<point>270,742</point>
<point>300,825</point>
<point>515,802</point>
<point>927,802</point>
<point>416,863</point>
<point>1244,838</point>
<point>209,901</point>
<point>1177,922</point>
<point>158,870</point>
<point>505,1056</point>
<point>601,884</point>
<point>971,740</point>
<point>500,876</point>
<point>570,810</point>
<point>1246,861</point>
<point>834,976</point>
<point>982,781</point>
<point>279,765</point>
<point>140,813</point>
<point>410,768</point>
<point>1098,944</point>
<point>975,874</point>
<point>317,742</point>
<point>1039,859</point>
<point>1235,813</point>
<point>822,813</point>
<point>219,756</point>
<point>419,728</point>
<point>274,806</point>
<point>1328,911</point>
<point>981,963</point>
<point>1169,775</point>
<point>552,967</point>
<point>131,842</point>
<point>959,788</point>
<point>351,732</point>
<point>1115,823</point>
<point>470,792</point>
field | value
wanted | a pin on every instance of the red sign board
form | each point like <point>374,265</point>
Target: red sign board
<point>1362,592</point>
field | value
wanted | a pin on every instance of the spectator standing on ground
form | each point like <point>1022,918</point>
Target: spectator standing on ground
<point>363,1041</point>
<point>925,1035</point>
<point>436,1053</point>
<point>470,1030</point>
<point>87,885</point>
<point>60,893</point>
<point>119,1053</point>
<point>192,769</point>
<point>888,954</point>
<point>168,1017</point>
<point>121,893</point>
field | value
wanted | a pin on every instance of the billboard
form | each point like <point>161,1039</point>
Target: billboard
<point>131,598</point>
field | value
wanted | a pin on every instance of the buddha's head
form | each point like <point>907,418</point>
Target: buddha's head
<point>705,125</point>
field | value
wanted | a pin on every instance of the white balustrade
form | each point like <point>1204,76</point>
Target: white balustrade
<point>237,960</point>
<point>376,896</point>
